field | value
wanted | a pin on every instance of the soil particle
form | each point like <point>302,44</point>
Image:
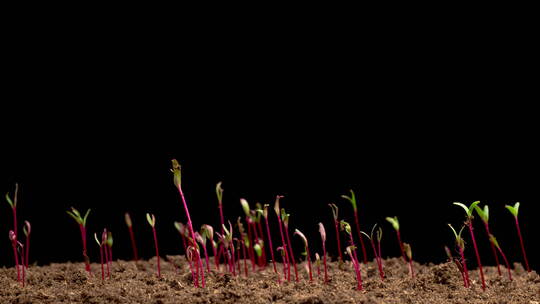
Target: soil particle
<point>138,283</point>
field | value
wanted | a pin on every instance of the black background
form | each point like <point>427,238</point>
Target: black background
<point>412,123</point>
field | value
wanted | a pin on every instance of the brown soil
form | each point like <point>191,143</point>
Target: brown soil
<point>137,283</point>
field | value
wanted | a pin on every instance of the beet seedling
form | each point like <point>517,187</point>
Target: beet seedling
<point>318,264</point>
<point>13,205</point>
<point>285,220</point>
<point>129,224</point>
<point>13,239</point>
<point>81,221</point>
<point>514,210</point>
<point>177,178</point>
<point>209,233</point>
<point>469,223</point>
<point>351,250</point>
<point>335,213</point>
<point>244,242</point>
<point>376,247</point>
<point>461,264</point>
<point>496,244</point>
<point>109,247</point>
<point>219,194</point>
<point>408,252</point>
<point>352,200</point>
<point>322,231</point>
<point>284,253</point>
<point>152,222</point>
<point>395,223</point>
<point>484,216</point>
<point>306,253</point>
<point>27,229</point>
<point>100,244</point>
<point>247,212</point>
<point>265,215</point>
<point>201,238</point>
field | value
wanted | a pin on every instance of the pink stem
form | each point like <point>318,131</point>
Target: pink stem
<point>477,255</point>
<point>401,245</point>
<point>506,262</point>
<point>336,224</point>
<point>360,236</point>
<point>107,260</point>
<point>522,246</point>
<point>381,274</point>
<point>14,209</point>
<point>101,260</point>
<point>85,255</point>
<point>411,269</point>
<point>250,248</point>
<point>133,244</point>
<point>259,226</point>
<point>157,252</point>
<point>286,256</point>
<point>206,258</point>
<point>486,226</point>
<point>466,280</point>
<point>356,265</point>
<point>324,261</point>
<point>271,246</point>
<point>14,245</point>
<point>245,258</point>
<point>27,249</point>
<point>291,252</point>
<point>23,268</point>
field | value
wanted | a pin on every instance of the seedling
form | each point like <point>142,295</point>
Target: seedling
<point>395,223</point>
<point>484,216</point>
<point>247,212</point>
<point>27,229</point>
<point>209,233</point>
<point>13,239</point>
<point>177,178</point>
<point>182,231</point>
<point>469,223</point>
<point>100,244</point>
<point>514,210</point>
<point>306,253</point>
<point>227,243</point>
<point>257,216</point>
<point>461,264</point>
<point>13,205</point>
<point>496,244</point>
<point>152,221</point>
<point>258,250</point>
<point>284,253</point>
<point>322,231</point>
<point>285,220</point>
<point>318,264</point>
<point>109,247</point>
<point>219,194</point>
<point>129,224</point>
<point>81,221</point>
<point>408,252</point>
<point>201,238</point>
<point>335,213</point>
<point>351,250</point>
<point>376,247</point>
<point>244,242</point>
<point>21,247</point>
<point>265,215</point>
<point>352,200</point>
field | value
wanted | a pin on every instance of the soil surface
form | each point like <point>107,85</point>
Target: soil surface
<point>137,283</point>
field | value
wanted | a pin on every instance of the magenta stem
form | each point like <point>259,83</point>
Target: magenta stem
<point>466,281</point>
<point>291,252</point>
<point>360,236</point>
<point>133,244</point>
<point>522,246</point>
<point>245,258</point>
<point>14,211</point>
<point>286,256</point>
<point>85,255</point>
<point>101,260</point>
<point>259,226</point>
<point>477,255</point>
<point>250,248</point>
<point>271,248</point>
<point>324,261</point>
<point>157,252</point>
<point>401,245</point>
<point>23,269</point>
<point>107,261</point>
<point>488,233</point>
<point>356,265</point>
<point>377,259</point>
<point>27,249</point>
<point>506,262</point>
<point>206,258</point>
<point>220,207</point>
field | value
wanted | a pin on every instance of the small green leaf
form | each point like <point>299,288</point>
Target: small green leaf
<point>335,211</point>
<point>219,193</point>
<point>257,249</point>
<point>468,210</point>
<point>408,250</point>
<point>494,240</point>
<point>514,210</point>
<point>10,202</point>
<point>97,241</point>
<point>276,204</point>
<point>85,217</point>
<point>109,239</point>
<point>394,221</point>
<point>151,219</point>
<point>483,213</point>
<point>245,206</point>
<point>351,199</point>
<point>75,217</point>
<point>345,226</point>
<point>177,175</point>
<point>285,217</point>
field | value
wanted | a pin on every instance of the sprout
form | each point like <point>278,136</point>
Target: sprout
<point>245,207</point>
<point>306,247</point>
<point>376,248</point>
<point>152,222</point>
<point>129,224</point>
<point>322,231</point>
<point>219,193</point>
<point>496,244</point>
<point>127,218</point>
<point>514,210</point>
<point>81,220</point>
<point>27,229</point>
<point>335,213</point>
<point>408,252</point>
<point>352,200</point>
<point>462,265</point>
<point>394,221</point>
<point>257,249</point>
<point>469,210</point>
<point>484,215</point>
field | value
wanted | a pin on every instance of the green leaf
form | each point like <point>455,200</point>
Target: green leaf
<point>10,202</point>
<point>245,206</point>
<point>219,193</point>
<point>257,249</point>
<point>468,210</point>
<point>484,214</point>
<point>394,221</point>
<point>494,240</point>
<point>85,217</point>
<point>177,175</point>
<point>351,199</point>
<point>151,219</point>
<point>514,210</point>
<point>335,211</point>
<point>453,230</point>
<point>75,217</point>
<point>345,226</point>
<point>97,241</point>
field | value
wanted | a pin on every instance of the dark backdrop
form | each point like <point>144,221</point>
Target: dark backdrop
<point>411,123</point>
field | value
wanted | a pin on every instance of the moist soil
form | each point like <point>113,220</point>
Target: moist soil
<point>132,282</point>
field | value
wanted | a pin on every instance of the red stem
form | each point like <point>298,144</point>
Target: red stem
<point>14,245</point>
<point>336,224</point>
<point>259,226</point>
<point>250,248</point>
<point>220,207</point>
<point>232,255</point>
<point>360,236</point>
<point>411,269</point>
<point>522,246</point>
<point>324,261</point>
<point>190,227</point>
<point>356,265</point>
<point>291,252</point>
<point>401,245</point>
<point>245,258</point>
<point>107,260</point>
<point>134,245</point>
<point>85,255</point>
<point>286,257</point>
<point>271,246</point>
<point>157,251</point>
<point>488,233</point>
<point>206,258</point>
<point>23,268</point>
<point>477,255</point>
<point>506,262</point>
<point>27,249</point>
<point>377,259</point>
<point>466,281</point>
<point>238,260</point>
<point>14,209</point>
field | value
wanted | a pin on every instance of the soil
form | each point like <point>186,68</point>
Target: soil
<point>137,283</point>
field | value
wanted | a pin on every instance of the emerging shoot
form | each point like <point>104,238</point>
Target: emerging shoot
<point>461,264</point>
<point>484,216</point>
<point>335,214</point>
<point>152,222</point>
<point>514,210</point>
<point>395,223</point>
<point>352,200</point>
<point>306,253</point>
<point>129,224</point>
<point>81,221</point>
<point>322,231</point>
